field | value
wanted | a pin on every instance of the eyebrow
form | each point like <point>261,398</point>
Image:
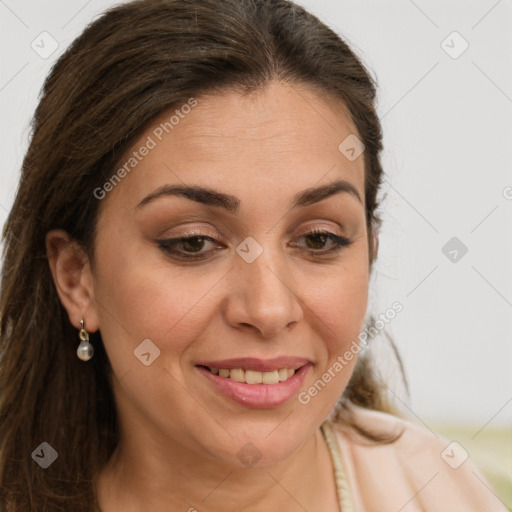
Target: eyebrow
<point>211,197</point>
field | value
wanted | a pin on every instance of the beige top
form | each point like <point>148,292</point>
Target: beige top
<point>420,472</point>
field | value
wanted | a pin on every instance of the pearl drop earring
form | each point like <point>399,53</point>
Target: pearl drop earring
<point>85,350</point>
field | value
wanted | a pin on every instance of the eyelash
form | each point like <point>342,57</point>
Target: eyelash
<point>168,244</point>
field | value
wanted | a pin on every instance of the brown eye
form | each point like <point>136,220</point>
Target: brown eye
<point>317,239</point>
<point>193,244</point>
<point>187,247</point>
<point>191,247</point>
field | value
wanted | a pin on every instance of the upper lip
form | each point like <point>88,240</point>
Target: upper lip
<point>256,364</point>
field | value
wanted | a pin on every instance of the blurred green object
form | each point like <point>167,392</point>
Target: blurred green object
<point>490,448</point>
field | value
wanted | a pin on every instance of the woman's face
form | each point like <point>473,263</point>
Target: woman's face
<point>259,292</point>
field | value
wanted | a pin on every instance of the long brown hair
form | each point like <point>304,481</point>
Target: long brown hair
<point>127,67</point>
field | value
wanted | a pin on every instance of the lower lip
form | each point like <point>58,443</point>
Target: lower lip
<point>258,395</point>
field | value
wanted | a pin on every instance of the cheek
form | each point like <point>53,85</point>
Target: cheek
<point>339,300</point>
<point>338,308</point>
<point>142,296</point>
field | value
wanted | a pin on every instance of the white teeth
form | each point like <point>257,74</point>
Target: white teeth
<point>271,377</point>
<point>254,377</point>
<point>237,374</point>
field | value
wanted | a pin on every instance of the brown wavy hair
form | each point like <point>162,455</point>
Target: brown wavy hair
<point>135,61</point>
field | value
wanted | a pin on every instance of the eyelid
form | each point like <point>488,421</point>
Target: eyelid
<point>203,231</point>
<point>340,242</point>
<point>332,226</point>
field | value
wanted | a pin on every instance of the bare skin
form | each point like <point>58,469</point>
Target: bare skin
<point>181,438</point>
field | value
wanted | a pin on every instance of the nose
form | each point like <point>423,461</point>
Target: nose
<point>262,296</point>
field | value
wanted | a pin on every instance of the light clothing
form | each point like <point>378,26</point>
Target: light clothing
<point>420,472</point>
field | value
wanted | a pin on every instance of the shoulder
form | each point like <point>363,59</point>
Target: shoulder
<point>421,470</point>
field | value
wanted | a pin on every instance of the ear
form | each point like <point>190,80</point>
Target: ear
<point>72,276</point>
<point>374,244</point>
<point>375,232</point>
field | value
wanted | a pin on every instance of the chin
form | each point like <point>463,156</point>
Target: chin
<point>261,445</point>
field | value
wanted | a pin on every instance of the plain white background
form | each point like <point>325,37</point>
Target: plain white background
<point>446,118</point>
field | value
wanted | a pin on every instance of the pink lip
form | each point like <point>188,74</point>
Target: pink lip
<point>258,365</point>
<point>257,395</point>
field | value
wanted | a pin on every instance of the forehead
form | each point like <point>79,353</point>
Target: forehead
<point>272,142</point>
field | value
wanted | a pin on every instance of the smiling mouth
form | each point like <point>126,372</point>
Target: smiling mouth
<point>252,376</point>
<point>254,382</point>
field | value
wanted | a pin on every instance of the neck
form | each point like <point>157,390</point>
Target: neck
<point>147,476</point>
